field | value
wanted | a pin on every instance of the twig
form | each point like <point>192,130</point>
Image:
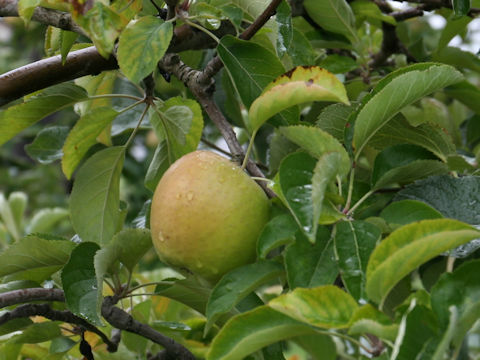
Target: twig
<point>42,15</point>
<point>171,8</point>
<point>33,294</point>
<point>122,320</point>
<point>27,310</point>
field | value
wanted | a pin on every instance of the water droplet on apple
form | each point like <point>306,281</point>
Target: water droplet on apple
<point>190,196</point>
<point>161,237</point>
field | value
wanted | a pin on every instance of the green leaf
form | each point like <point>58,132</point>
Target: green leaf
<point>354,242</point>
<point>310,265</point>
<point>299,85</point>
<point>333,15</point>
<point>253,330</point>
<point>80,284</point>
<point>467,93</point>
<point>366,10</point>
<point>251,76</point>
<point>12,212</point>
<point>61,344</point>
<point>325,306</point>
<point>45,219</point>
<point>37,333</point>
<point>103,25</point>
<point>338,64</point>
<point>18,117</point>
<point>404,163</point>
<point>237,284</point>
<point>461,7</point>
<point>278,231</point>
<point>452,28</point>
<point>427,135</point>
<point>130,245</point>
<point>67,39</point>
<point>34,258</point>
<point>417,329</point>
<point>301,51</point>
<point>135,342</point>
<point>404,212</point>
<point>461,290</point>
<point>367,319</point>
<point>283,19</point>
<point>317,142</point>
<point>459,58</point>
<point>301,193</point>
<point>14,325</point>
<point>84,135</point>
<point>94,203</point>
<point>141,46</point>
<point>159,164</point>
<point>392,93</point>
<point>47,145</point>
<point>409,247</point>
<point>449,195</point>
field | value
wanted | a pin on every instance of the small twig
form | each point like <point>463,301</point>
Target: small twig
<point>214,146</point>
<point>171,8</point>
<point>122,320</point>
<point>27,310</point>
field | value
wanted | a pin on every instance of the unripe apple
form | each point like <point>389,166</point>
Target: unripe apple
<point>207,214</point>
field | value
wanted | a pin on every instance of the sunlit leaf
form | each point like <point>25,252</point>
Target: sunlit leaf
<point>409,247</point>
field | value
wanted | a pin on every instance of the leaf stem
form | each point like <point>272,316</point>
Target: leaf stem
<point>249,150</point>
<point>134,132</point>
<point>359,202</point>
<point>350,190</point>
<point>131,106</point>
<point>150,284</point>
<point>106,96</point>
<point>201,28</point>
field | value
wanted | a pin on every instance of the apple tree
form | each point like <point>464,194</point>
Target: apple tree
<point>357,122</point>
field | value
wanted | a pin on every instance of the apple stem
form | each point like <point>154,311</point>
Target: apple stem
<point>249,150</point>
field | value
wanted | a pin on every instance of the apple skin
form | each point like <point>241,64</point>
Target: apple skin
<point>206,215</point>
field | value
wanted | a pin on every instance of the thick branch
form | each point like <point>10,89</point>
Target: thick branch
<point>50,71</point>
<point>121,320</point>
<point>42,15</point>
<point>33,294</point>
<point>27,310</point>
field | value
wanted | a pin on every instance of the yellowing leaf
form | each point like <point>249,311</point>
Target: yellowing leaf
<point>299,85</point>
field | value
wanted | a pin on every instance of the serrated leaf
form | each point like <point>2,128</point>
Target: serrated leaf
<point>310,265</point>
<point>34,258</point>
<point>278,231</point>
<point>392,93</point>
<point>367,319</point>
<point>141,46</point>
<point>410,246</point>
<point>427,135</point>
<point>299,85</point>
<point>467,93</point>
<point>237,284</point>
<point>404,163</point>
<point>404,212</point>
<point>317,142</point>
<point>354,242</point>
<point>80,283</point>
<point>159,164</point>
<point>47,145</point>
<point>446,293</point>
<point>251,76</point>
<point>333,15</point>
<point>103,25</point>
<point>45,219</point>
<point>253,330</point>
<point>84,135</point>
<point>457,198</point>
<point>325,306</point>
<point>18,117</point>
<point>95,201</point>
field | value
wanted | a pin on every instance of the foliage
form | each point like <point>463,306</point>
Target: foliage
<point>365,124</point>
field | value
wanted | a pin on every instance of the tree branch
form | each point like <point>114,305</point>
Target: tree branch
<point>33,294</point>
<point>42,15</point>
<point>27,310</point>
<point>121,320</point>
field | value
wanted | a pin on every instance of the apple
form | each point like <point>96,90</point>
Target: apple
<point>206,215</point>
